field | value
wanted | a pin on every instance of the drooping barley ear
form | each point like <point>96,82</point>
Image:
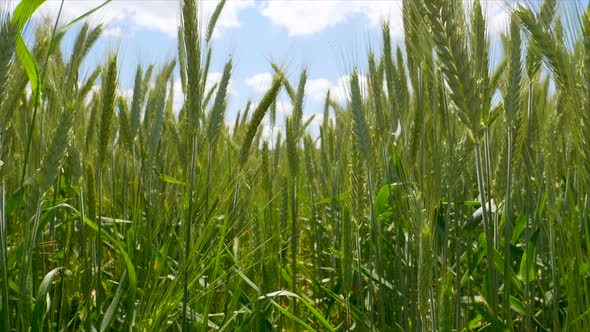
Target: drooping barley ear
<point>192,46</point>
<point>553,50</point>
<point>87,86</point>
<point>91,39</point>
<point>446,21</point>
<point>54,156</point>
<point>216,119</point>
<point>281,72</point>
<point>361,130</point>
<point>257,117</point>
<point>547,12</point>
<point>109,93</point>
<point>76,58</point>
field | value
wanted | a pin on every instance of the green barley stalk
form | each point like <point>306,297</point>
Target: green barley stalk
<point>106,132</point>
<point>213,130</point>
<point>446,19</point>
<point>512,108</point>
<point>193,98</point>
<point>586,117</point>
<point>361,131</point>
<point>4,259</point>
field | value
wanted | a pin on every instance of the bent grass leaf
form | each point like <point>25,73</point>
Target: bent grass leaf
<point>110,313</point>
<point>42,301</point>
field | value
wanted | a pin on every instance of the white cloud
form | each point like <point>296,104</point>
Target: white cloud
<point>113,31</point>
<point>125,93</point>
<point>260,82</point>
<point>284,108</point>
<point>306,17</point>
<point>159,15</point>
<point>178,97</point>
<point>316,89</point>
<point>498,17</point>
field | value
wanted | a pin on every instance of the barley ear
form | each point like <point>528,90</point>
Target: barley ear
<point>257,117</point>
<point>292,147</point>
<point>361,130</point>
<point>511,103</point>
<point>298,102</point>
<point>218,110</point>
<point>213,20</point>
<point>8,34</point>
<point>124,128</point>
<point>136,102</point>
<point>108,109</point>
<point>54,156</point>
<point>586,27</point>
<point>192,46</point>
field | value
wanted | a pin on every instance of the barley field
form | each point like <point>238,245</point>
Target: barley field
<point>449,193</point>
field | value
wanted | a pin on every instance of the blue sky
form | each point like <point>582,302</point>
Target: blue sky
<point>327,37</point>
